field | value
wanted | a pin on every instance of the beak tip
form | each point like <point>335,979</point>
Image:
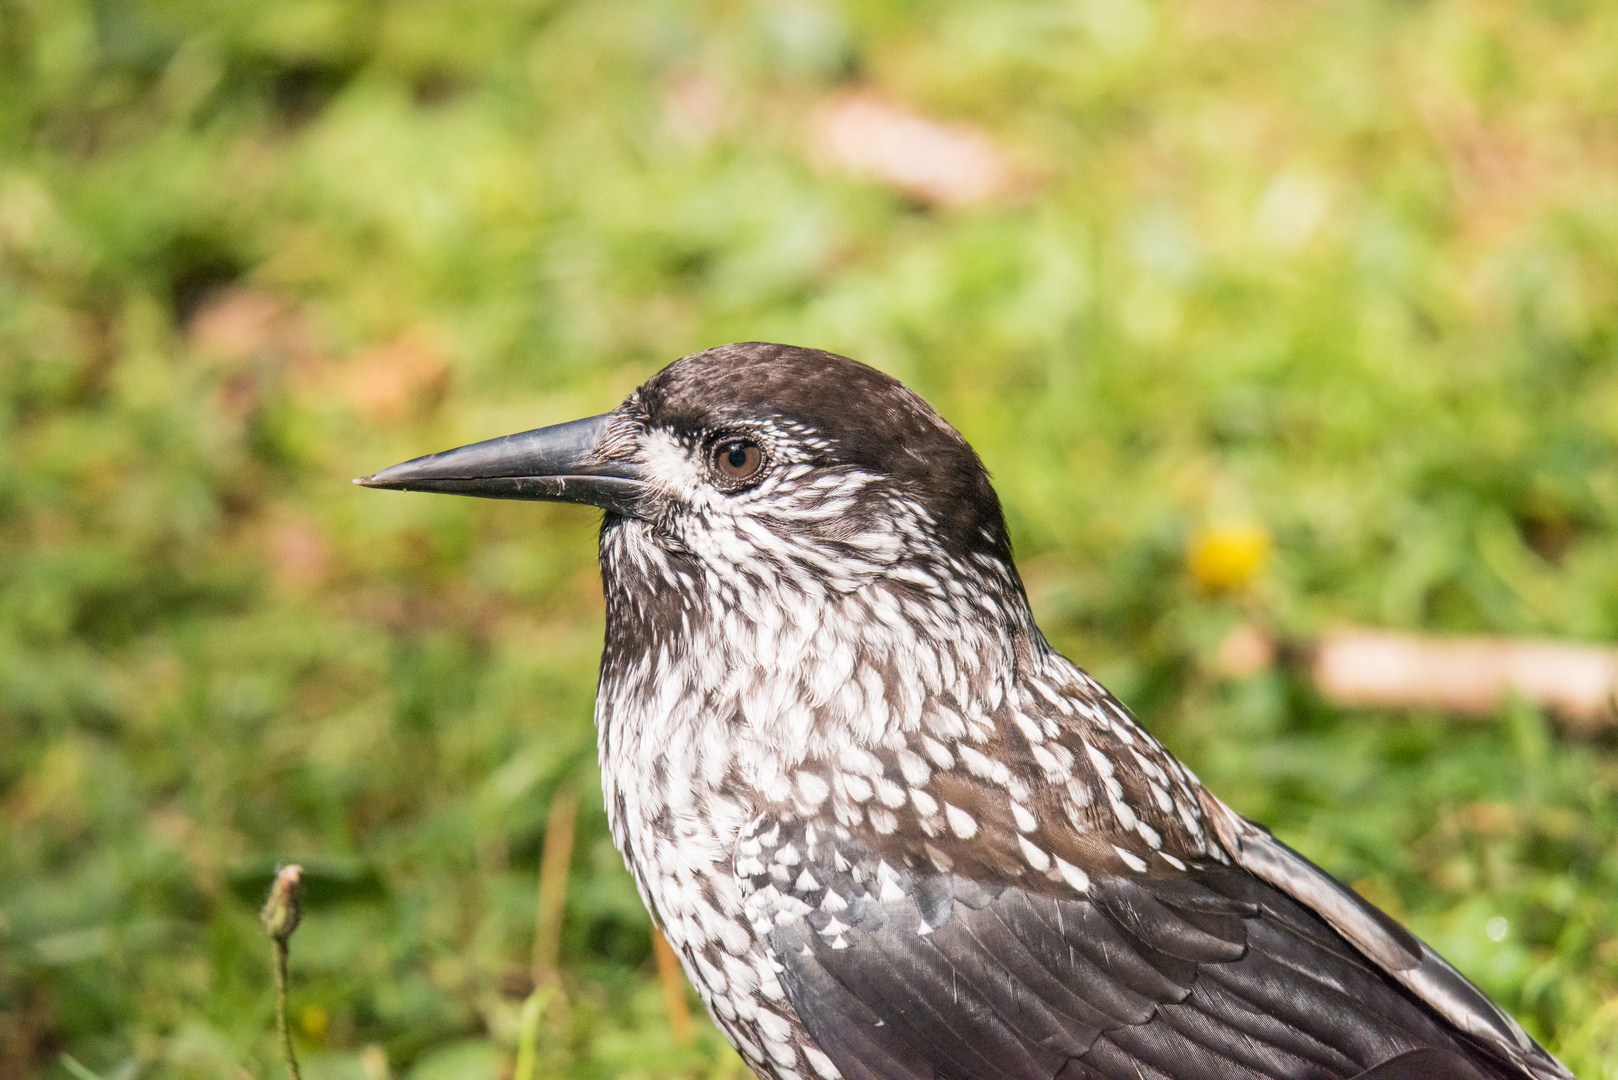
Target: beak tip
<point>379,480</point>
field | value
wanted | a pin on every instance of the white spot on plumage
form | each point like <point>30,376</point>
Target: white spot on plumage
<point>734,937</point>
<point>742,977</point>
<point>716,980</point>
<point>913,768</point>
<point>1028,727</point>
<point>1131,860</point>
<point>980,765</point>
<point>937,751</point>
<point>1037,857</point>
<point>1161,798</point>
<point>888,881</point>
<point>1125,815</point>
<point>813,788</point>
<point>889,794</point>
<point>1071,874</point>
<point>961,823</point>
<point>773,1026</point>
<point>821,1064</point>
<point>1047,761</point>
<point>855,787</point>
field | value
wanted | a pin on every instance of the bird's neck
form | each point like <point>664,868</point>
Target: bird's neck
<point>715,681</point>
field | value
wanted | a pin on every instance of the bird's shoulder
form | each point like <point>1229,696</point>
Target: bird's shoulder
<point>1036,884</point>
<point>1033,779</point>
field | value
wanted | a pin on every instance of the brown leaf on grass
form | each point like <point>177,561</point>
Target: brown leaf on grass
<point>1485,818</point>
<point>300,555</point>
<point>405,377</point>
<point>1245,651</point>
<point>1467,675</point>
<point>255,340</point>
<point>934,162</point>
<point>234,324</point>
<point>237,325</point>
<point>695,109</point>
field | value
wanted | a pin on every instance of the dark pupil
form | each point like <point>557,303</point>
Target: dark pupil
<point>737,456</point>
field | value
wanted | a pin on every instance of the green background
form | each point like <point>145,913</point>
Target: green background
<point>1345,272</point>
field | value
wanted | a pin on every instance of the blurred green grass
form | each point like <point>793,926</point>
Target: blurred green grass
<point>1345,272</point>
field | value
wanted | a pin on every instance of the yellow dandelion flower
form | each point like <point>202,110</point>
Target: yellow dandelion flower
<point>1223,557</point>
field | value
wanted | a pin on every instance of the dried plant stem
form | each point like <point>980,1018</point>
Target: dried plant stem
<point>280,946</point>
<point>549,909</point>
<point>673,979</point>
<point>1469,675</point>
<point>553,869</point>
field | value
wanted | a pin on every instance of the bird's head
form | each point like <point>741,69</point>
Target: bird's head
<point>756,464</point>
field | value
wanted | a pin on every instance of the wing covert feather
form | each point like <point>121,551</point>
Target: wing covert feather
<point>912,971</point>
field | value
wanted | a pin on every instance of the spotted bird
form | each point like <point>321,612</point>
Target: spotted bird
<point>889,830</point>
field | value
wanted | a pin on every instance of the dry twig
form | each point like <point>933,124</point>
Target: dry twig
<point>673,979</point>
<point>553,870</point>
<point>1465,675</point>
<point>549,909</point>
<point>1471,676</point>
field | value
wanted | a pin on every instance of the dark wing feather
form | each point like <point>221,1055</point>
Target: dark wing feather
<point>915,972</point>
<point>1420,1065</point>
<point>868,1048</point>
<point>1391,948</point>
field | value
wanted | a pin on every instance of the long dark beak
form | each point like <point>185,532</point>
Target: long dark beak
<point>562,463</point>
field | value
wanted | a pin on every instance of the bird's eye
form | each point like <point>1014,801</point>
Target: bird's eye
<point>738,459</point>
